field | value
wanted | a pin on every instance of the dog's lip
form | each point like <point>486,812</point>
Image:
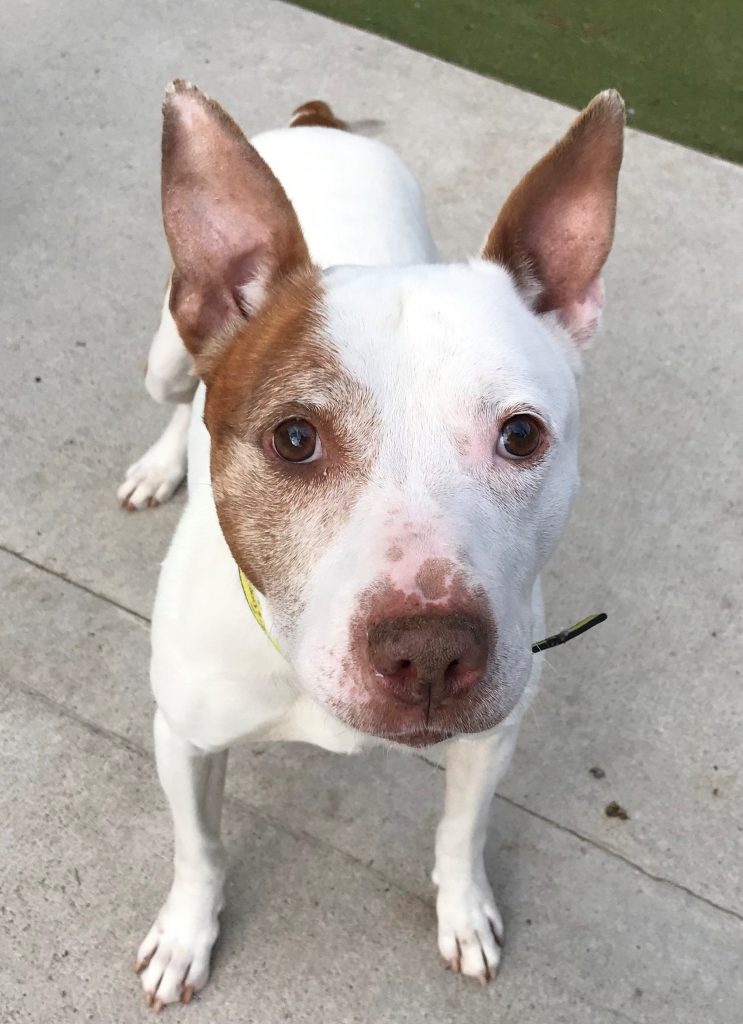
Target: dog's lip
<point>407,726</point>
<point>427,738</point>
<point>418,735</point>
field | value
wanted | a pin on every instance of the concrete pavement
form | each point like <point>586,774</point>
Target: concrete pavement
<point>331,913</point>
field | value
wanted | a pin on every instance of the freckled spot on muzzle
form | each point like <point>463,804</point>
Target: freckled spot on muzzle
<point>433,578</point>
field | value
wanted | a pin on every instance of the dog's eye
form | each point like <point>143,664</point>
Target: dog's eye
<point>296,441</point>
<point>520,437</point>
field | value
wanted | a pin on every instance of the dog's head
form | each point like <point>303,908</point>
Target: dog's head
<point>393,448</point>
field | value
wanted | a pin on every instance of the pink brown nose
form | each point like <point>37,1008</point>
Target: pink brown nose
<point>428,658</point>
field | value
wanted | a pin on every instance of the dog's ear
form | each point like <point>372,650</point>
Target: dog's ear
<point>555,230</point>
<point>231,229</point>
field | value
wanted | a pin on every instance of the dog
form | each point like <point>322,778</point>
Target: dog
<point>382,455</point>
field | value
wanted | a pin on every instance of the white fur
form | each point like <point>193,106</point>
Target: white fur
<point>356,200</point>
<point>156,476</point>
<point>442,349</point>
<point>169,377</point>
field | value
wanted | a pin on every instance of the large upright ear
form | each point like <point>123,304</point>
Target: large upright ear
<point>231,229</point>
<point>555,230</point>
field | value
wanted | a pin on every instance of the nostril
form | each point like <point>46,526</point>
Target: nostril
<point>400,670</point>
<point>463,673</point>
<point>452,671</point>
<point>403,670</point>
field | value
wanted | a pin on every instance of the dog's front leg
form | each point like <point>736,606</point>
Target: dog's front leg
<point>155,477</point>
<point>470,926</point>
<point>174,957</point>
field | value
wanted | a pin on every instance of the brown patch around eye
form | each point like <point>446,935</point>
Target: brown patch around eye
<point>279,517</point>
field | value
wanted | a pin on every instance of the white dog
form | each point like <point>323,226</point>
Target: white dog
<point>388,459</point>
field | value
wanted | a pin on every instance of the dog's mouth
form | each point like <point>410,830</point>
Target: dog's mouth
<point>430,733</point>
<point>413,728</point>
<point>428,738</point>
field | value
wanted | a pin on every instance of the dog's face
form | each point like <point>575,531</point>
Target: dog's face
<point>393,459</point>
<point>393,449</point>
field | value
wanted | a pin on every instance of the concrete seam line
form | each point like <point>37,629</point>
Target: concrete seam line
<point>259,812</point>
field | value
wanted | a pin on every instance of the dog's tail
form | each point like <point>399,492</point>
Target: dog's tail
<point>316,113</point>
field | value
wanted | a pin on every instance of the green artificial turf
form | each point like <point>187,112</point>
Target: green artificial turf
<point>679,65</point>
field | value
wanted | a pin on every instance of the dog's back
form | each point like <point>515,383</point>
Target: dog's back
<point>356,200</point>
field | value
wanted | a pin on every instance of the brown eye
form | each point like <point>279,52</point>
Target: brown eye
<point>519,438</point>
<point>296,441</point>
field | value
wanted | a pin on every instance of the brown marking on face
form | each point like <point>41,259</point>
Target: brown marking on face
<point>395,553</point>
<point>367,707</point>
<point>432,577</point>
<point>316,113</point>
<point>279,517</point>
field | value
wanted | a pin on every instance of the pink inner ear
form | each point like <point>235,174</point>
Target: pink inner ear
<point>583,316</point>
<point>555,230</point>
<point>231,229</point>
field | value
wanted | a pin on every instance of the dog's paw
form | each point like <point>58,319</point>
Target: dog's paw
<point>154,478</point>
<point>470,929</point>
<point>174,958</point>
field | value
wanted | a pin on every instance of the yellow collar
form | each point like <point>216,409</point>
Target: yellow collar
<point>251,596</point>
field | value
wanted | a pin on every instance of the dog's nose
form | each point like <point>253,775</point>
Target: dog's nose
<point>428,658</point>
